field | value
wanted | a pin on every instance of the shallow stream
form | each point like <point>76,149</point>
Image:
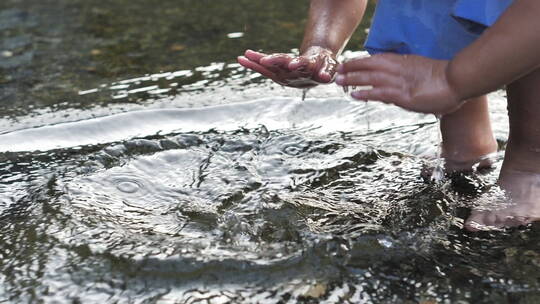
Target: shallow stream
<point>140,164</point>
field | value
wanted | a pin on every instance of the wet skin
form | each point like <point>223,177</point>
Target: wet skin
<point>466,129</point>
<point>520,173</point>
<point>328,29</point>
<point>507,53</point>
<point>315,66</point>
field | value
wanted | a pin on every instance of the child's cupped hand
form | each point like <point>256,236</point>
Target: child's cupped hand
<point>411,82</point>
<point>315,66</point>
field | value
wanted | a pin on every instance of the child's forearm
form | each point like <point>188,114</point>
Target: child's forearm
<point>331,23</point>
<point>507,51</point>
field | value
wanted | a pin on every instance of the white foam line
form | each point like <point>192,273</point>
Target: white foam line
<point>329,115</point>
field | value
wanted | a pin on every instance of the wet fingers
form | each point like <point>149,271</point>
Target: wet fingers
<point>390,63</point>
<point>386,95</point>
<point>254,56</point>
<point>252,65</point>
<point>276,61</point>
<point>299,63</point>
<point>368,78</point>
<point>327,70</point>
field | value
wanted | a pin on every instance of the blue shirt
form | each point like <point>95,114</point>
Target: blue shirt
<point>433,28</point>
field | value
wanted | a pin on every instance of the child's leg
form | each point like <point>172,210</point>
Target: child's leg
<point>467,136</point>
<point>520,173</point>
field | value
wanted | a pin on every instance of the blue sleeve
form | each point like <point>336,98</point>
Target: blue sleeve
<point>477,15</point>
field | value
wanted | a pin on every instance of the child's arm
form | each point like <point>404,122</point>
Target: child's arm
<point>331,23</point>
<point>504,53</point>
<point>330,26</point>
<point>507,51</point>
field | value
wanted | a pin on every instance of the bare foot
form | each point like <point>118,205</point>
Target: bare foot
<point>517,204</point>
<point>520,173</point>
<point>452,167</point>
<point>467,140</point>
<point>480,163</point>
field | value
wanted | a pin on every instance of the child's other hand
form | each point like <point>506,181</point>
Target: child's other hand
<point>412,82</point>
<point>315,66</point>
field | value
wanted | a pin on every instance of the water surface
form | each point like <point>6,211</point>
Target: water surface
<point>153,178</point>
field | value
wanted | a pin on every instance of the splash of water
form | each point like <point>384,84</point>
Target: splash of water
<point>437,176</point>
<point>346,91</point>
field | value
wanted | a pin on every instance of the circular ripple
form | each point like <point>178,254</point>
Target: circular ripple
<point>131,184</point>
<point>128,186</point>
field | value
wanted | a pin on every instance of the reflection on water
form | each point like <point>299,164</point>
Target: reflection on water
<point>314,115</point>
<point>210,185</point>
<point>51,51</point>
<point>266,200</point>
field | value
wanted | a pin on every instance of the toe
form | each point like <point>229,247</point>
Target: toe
<point>475,222</point>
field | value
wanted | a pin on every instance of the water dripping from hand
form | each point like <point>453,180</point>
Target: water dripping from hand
<point>346,91</point>
<point>437,176</point>
<point>304,93</point>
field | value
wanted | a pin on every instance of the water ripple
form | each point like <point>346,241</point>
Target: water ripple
<point>321,116</point>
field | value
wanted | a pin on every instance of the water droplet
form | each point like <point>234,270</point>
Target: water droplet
<point>438,172</point>
<point>304,93</point>
<point>235,35</point>
<point>386,242</point>
<point>128,187</point>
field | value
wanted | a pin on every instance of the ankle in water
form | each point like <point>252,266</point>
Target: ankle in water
<point>515,202</point>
